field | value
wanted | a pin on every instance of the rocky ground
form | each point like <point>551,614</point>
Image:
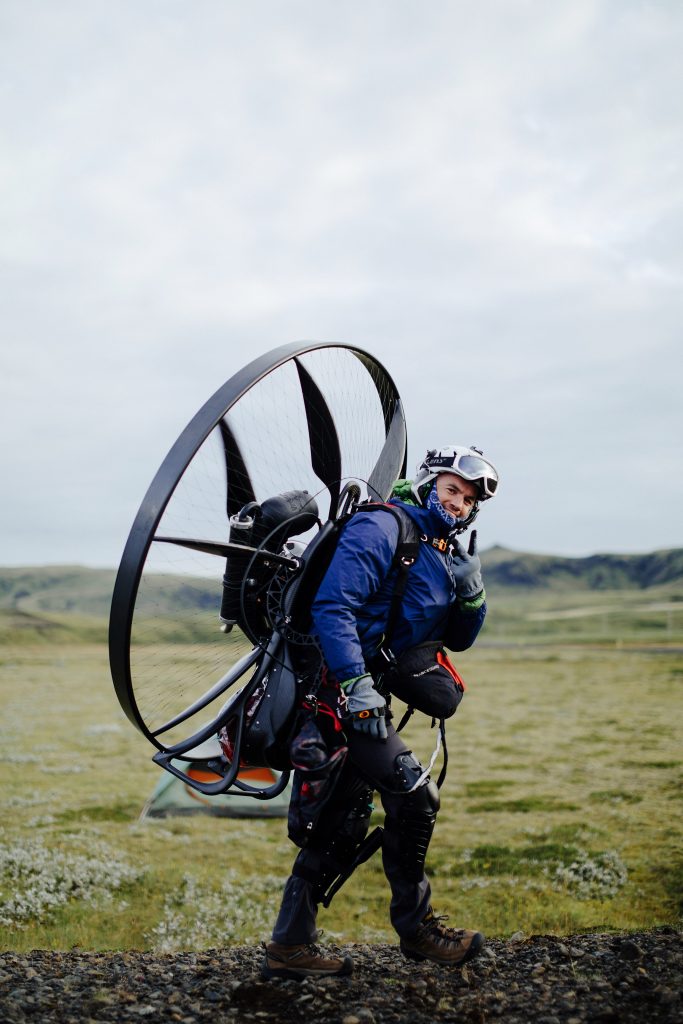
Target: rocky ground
<point>544,979</point>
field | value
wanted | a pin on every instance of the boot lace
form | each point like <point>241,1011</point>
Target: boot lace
<point>440,932</point>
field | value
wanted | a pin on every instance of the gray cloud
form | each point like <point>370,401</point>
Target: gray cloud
<point>489,199</point>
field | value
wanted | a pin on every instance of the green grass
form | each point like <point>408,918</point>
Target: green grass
<point>523,805</point>
<point>565,767</point>
<point>606,618</point>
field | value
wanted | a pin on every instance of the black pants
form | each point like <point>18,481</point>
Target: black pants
<point>371,765</point>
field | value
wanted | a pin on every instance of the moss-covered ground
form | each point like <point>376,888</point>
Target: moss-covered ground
<point>561,811</point>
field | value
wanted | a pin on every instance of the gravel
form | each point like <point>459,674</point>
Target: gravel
<point>602,979</point>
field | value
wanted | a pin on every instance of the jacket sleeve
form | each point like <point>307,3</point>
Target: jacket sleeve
<point>359,566</point>
<point>462,627</point>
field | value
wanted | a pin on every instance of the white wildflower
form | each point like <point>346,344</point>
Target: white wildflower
<point>33,799</point>
<point>198,918</point>
<point>475,883</point>
<point>36,879</point>
<point>592,875</point>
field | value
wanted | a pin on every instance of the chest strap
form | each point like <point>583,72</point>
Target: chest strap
<point>439,543</point>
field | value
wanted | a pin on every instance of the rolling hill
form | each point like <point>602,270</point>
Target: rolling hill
<point>40,591</point>
<point>513,569</point>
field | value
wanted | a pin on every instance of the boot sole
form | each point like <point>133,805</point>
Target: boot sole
<point>299,973</point>
<point>475,947</point>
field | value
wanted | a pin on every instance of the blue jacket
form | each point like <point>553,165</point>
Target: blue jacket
<point>351,608</point>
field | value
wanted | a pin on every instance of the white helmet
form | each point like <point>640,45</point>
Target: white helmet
<point>467,463</point>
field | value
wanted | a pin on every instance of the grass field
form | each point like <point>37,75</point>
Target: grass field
<point>560,813</point>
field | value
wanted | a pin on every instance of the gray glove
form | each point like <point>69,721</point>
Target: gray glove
<point>465,569</point>
<point>365,707</point>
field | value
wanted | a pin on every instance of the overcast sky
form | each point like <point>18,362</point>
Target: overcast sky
<point>487,196</point>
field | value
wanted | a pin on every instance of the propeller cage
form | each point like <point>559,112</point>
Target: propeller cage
<point>334,407</point>
<point>253,729</point>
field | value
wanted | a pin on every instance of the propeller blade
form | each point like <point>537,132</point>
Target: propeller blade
<point>391,406</point>
<point>240,487</point>
<point>325,452</point>
<point>224,549</point>
<point>385,387</point>
<point>391,464</point>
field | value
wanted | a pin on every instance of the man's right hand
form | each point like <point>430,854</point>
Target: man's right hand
<point>365,707</point>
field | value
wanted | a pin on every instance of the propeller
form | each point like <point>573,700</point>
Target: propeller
<point>273,429</point>
<point>326,457</point>
<point>240,488</point>
<point>224,549</point>
<point>393,453</point>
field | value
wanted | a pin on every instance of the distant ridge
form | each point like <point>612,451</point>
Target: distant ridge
<point>73,589</point>
<point>57,588</point>
<point>515,569</point>
<point>65,590</point>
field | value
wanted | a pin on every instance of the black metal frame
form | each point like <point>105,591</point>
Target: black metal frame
<point>228,772</point>
<point>326,463</point>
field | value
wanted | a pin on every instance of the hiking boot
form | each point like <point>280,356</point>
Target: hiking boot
<point>449,946</point>
<point>304,961</point>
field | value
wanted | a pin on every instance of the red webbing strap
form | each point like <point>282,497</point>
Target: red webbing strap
<point>311,703</point>
<point>445,662</point>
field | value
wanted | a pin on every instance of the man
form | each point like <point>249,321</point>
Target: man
<point>443,600</point>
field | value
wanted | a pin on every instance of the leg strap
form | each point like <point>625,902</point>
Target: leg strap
<point>334,850</point>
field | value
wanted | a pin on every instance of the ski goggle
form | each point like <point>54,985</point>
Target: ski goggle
<point>469,467</point>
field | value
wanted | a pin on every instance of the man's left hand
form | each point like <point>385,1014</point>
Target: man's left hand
<point>466,569</point>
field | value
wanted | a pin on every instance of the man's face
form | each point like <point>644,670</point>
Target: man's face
<point>457,496</point>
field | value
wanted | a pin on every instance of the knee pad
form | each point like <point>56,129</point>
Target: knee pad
<point>410,816</point>
<point>407,770</point>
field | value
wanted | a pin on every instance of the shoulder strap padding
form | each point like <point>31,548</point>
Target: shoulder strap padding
<point>319,554</point>
<point>407,550</point>
<point>408,532</point>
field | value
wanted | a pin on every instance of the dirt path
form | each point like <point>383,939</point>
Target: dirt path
<point>591,978</point>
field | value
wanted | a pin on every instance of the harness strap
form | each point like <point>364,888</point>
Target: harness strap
<point>407,550</point>
<point>440,742</point>
<point>311,703</point>
<point>408,714</point>
<point>444,766</point>
<point>405,561</point>
<point>427,770</point>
